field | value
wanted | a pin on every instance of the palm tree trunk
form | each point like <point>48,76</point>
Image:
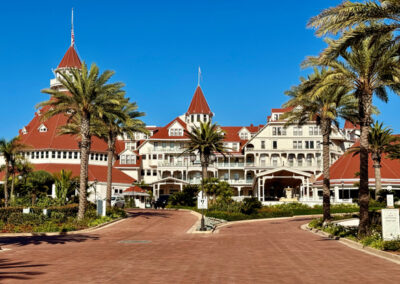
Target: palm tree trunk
<point>83,179</point>
<point>326,191</point>
<point>365,104</point>
<point>6,184</point>
<point>12,197</point>
<point>378,178</point>
<point>110,156</point>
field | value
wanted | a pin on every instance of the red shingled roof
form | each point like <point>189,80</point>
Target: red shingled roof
<point>349,125</point>
<point>199,104</point>
<point>346,167</point>
<point>50,139</point>
<point>95,172</point>
<point>135,189</point>
<point>282,109</point>
<point>163,132</point>
<point>70,59</point>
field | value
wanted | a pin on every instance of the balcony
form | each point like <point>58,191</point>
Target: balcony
<point>168,150</point>
<point>230,165</point>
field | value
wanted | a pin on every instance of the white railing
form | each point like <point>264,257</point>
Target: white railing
<point>230,165</point>
<point>169,150</point>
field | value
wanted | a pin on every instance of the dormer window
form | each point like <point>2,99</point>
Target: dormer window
<point>128,159</point>
<point>276,116</point>
<point>24,131</point>
<point>42,128</point>
<point>175,132</point>
<point>244,136</point>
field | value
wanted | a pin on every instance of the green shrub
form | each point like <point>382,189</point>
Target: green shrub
<point>227,206</point>
<point>250,205</point>
<point>115,212</point>
<point>316,223</point>
<point>186,197</point>
<point>17,218</point>
<point>58,216</point>
<point>228,216</point>
<point>391,245</point>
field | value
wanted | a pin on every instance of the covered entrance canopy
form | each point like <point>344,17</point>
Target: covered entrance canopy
<point>281,183</point>
<point>167,186</point>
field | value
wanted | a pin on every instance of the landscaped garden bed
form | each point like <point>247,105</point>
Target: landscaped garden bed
<point>57,219</point>
<point>374,240</point>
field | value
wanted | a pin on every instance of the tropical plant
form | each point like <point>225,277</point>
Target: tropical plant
<point>38,183</point>
<point>205,140</point>
<point>369,67</point>
<point>381,141</point>
<point>125,123</point>
<point>219,190</point>
<point>9,150</point>
<point>87,96</point>
<point>65,185</point>
<point>332,102</point>
<point>355,21</point>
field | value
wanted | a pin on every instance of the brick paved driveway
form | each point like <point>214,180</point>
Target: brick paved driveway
<point>152,247</point>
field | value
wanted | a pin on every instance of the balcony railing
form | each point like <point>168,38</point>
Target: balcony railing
<point>169,149</point>
<point>230,165</point>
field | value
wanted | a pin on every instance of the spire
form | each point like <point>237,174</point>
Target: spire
<point>199,103</point>
<point>71,58</point>
<point>72,28</point>
<point>199,77</point>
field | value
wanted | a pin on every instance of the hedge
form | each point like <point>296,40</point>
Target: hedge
<point>69,210</point>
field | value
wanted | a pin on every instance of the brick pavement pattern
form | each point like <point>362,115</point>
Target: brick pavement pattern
<point>153,247</point>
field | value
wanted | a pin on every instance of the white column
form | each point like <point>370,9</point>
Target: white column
<point>239,189</point>
<point>259,189</point>
<point>53,190</point>
<point>180,186</point>
<point>315,193</point>
<point>308,188</point>
<point>301,192</point>
<point>336,193</point>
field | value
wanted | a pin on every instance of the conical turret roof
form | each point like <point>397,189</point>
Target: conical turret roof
<point>70,59</point>
<point>199,103</point>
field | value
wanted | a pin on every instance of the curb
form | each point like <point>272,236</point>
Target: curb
<point>354,245</point>
<point>44,234</point>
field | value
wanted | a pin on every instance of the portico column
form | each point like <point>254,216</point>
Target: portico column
<point>180,186</point>
<point>259,189</point>
<point>336,189</point>
<point>315,193</point>
<point>239,189</point>
<point>308,188</point>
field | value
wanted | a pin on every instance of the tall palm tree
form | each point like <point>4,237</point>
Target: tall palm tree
<point>113,126</point>
<point>205,140</point>
<point>369,67</point>
<point>333,102</point>
<point>9,150</point>
<point>355,21</point>
<point>381,141</point>
<point>88,96</point>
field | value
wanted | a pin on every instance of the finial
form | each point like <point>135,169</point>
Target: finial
<point>72,28</point>
<point>199,77</point>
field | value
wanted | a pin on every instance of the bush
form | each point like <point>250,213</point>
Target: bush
<point>115,212</point>
<point>391,245</point>
<point>17,218</point>
<point>250,205</point>
<point>186,197</point>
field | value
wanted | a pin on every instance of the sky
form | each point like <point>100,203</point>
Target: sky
<point>249,53</point>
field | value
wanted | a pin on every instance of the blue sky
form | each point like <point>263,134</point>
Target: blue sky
<point>249,53</point>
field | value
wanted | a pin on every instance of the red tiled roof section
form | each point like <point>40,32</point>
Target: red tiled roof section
<point>199,103</point>
<point>50,139</point>
<point>282,109</point>
<point>350,125</point>
<point>163,132</point>
<point>346,167</point>
<point>70,59</point>
<point>135,189</point>
<point>95,172</point>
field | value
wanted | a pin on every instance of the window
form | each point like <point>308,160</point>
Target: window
<point>297,145</point>
<point>300,160</point>
<point>42,128</point>
<point>274,144</point>
<point>236,176</point>
<point>192,118</point>
<point>69,155</point>
<point>143,157</point>
<point>262,144</point>
<point>53,154</point>
<point>278,131</point>
<point>297,131</point>
<point>172,145</point>
<point>243,136</point>
<point>309,144</point>
<point>41,155</point>
<point>276,116</point>
<point>155,145</point>
<point>314,130</point>
<point>47,154</point>
<point>164,145</point>
<point>142,172</point>
<point>154,173</point>
<point>198,118</point>
<point>149,172</point>
<point>64,155</point>
<point>59,155</point>
<point>226,176</point>
<point>204,117</point>
<point>176,132</point>
<point>128,159</point>
<point>154,156</point>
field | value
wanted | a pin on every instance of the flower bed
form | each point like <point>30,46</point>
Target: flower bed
<point>58,219</point>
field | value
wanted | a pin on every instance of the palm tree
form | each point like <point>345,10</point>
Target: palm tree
<point>381,141</point>
<point>334,101</point>
<point>205,140</point>
<point>369,67</point>
<point>355,21</point>
<point>65,185</point>
<point>9,150</point>
<point>119,125</point>
<point>88,96</point>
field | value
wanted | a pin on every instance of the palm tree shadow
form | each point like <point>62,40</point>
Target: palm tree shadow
<point>53,240</point>
<point>149,214</point>
<point>18,270</point>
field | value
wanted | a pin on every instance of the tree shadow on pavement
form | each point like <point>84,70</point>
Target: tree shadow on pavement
<point>53,240</point>
<point>148,214</point>
<point>18,270</point>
